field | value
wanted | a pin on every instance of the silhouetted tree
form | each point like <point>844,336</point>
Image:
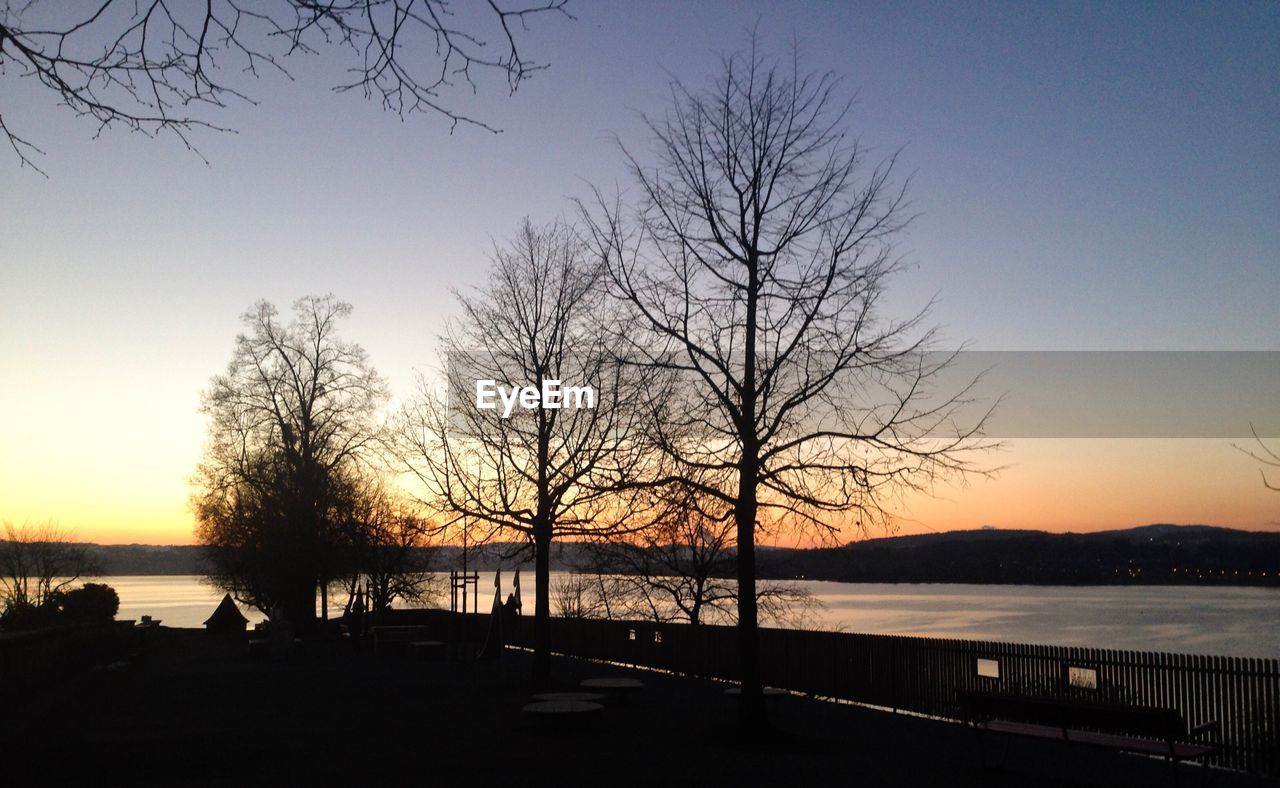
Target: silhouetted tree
<point>681,567</point>
<point>291,424</point>
<point>164,66</point>
<point>753,263</point>
<point>539,473</point>
<point>1266,456</point>
<point>392,549</point>
<point>677,567</point>
<point>584,595</point>
<point>37,562</point>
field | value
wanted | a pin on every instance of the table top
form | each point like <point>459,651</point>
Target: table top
<point>562,707</point>
<point>581,696</point>
<point>613,683</point>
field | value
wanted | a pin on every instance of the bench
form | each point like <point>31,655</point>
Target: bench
<point>1125,728</point>
<point>426,649</point>
<point>396,639</point>
<point>263,646</point>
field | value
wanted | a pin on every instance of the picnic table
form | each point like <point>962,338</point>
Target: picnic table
<point>620,686</point>
<point>563,711</point>
<point>589,697</point>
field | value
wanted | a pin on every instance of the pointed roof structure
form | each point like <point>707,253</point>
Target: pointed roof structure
<point>226,618</point>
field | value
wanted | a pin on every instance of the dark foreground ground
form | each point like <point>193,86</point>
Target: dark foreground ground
<point>184,711</point>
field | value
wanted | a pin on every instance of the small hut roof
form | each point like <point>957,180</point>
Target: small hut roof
<point>226,613</point>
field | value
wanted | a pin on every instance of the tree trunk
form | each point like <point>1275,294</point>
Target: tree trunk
<point>753,713</point>
<point>542,609</point>
<point>300,607</point>
<point>753,716</point>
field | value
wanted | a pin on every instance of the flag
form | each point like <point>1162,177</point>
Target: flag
<point>519,605</point>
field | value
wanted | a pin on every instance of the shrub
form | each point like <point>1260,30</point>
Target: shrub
<point>91,602</point>
<point>18,616</point>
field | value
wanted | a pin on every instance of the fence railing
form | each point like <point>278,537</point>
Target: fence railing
<point>928,675</point>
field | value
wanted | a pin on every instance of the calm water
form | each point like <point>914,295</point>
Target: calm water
<point>1191,620</point>
<point>1223,621</point>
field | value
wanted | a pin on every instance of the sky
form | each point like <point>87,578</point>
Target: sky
<point>1087,177</point>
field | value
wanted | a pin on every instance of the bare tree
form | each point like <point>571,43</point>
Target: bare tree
<point>583,595</point>
<point>291,424</point>
<point>38,561</point>
<point>753,263</point>
<point>681,567</point>
<point>1265,455</point>
<point>540,473</point>
<point>393,549</point>
<point>166,66</point>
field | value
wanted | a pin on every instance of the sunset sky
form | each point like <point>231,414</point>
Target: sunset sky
<point>1088,177</point>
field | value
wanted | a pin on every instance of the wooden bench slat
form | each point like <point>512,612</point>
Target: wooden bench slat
<point>1118,741</point>
<point>1186,751</point>
<point>1022,729</point>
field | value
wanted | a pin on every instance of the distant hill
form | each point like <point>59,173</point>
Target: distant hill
<point>1159,554</point>
<point>145,559</point>
<point>1153,554</point>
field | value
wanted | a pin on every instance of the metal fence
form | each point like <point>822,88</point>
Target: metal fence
<point>927,675</point>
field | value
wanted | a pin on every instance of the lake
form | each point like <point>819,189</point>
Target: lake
<point>1230,621</point>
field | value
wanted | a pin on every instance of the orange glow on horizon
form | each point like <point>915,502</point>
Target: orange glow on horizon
<point>1052,485</point>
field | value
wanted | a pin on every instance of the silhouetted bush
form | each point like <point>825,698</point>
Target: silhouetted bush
<point>27,616</point>
<point>91,602</point>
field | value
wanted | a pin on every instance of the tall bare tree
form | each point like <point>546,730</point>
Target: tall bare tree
<point>538,473</point>
<point>752,261</point>
<point>168,66</point>
<point>291,423</point>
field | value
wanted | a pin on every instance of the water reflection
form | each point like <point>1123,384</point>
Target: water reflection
<point>1225,621</point>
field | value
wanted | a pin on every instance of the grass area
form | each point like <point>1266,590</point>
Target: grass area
<point>186,709</point>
